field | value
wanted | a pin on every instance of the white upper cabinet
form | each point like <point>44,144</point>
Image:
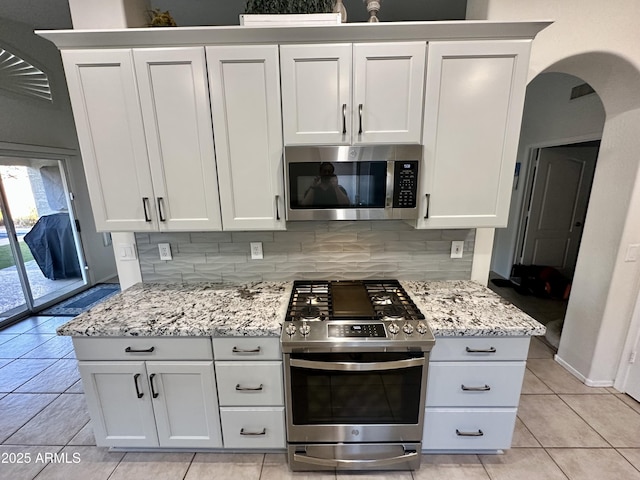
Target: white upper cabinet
<point>341,94</point>
<point>104,98</point>
<point>145,133</point>
<point>244,84</point>
<point>473,108</point>
<point>177,121</point>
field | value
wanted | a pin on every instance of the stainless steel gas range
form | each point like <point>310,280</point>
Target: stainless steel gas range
<point>356,358</point>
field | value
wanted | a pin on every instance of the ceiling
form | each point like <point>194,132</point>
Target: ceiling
<point>54,14</point>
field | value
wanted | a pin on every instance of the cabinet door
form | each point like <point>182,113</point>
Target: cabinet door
<point>473,109</point>
<point>388,92</point>
<point>177,119</point>
<point>245,98</point>
<point>104,98</point>
<point>316,94</point>
<point>185,404</point>
<point>119,403</point>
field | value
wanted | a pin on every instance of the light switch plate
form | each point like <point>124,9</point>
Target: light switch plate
<point>127,251</point>
<point>456,249</point>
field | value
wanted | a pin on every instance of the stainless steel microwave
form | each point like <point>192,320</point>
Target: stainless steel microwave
<point>352,183</point>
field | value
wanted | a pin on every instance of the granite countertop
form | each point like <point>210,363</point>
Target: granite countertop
<point>452,308</point>
<point>195,309</point>
<point>466,308</point>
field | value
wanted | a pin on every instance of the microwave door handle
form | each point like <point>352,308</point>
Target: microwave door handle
<point>357,367</point>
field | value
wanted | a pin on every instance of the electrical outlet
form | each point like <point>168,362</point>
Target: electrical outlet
<point>165,251</point>
<point>256,251</point>
<point>456,249</point>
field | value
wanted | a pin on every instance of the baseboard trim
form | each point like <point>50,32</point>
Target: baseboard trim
<point>588,382</point>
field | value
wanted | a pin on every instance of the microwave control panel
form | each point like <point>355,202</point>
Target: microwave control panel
<point>405,188</point>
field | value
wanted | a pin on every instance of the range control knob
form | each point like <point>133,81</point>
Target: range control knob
<point>407,328</point>
<point>305,329</point>
<point>422,328</point>
<point>393,328</point>
<point>290,329</point>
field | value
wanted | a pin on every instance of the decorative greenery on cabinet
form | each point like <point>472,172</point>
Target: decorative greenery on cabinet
<point>288,6</point>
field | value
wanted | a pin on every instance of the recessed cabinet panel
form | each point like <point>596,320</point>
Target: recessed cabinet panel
<point>177,119</point>
<point>388,92</point>
<point>104,98</point>
<point>316,94</point>
<point>244,88</point>
<point>473,108</point>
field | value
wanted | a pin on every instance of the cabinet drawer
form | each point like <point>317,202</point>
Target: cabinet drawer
<point>249,383</point>
<point>253,427</point>
<point>143,348</point>
<point>483,384</point>
<point>468,428</point>
<point>480,348</point>
<point>247,348</point>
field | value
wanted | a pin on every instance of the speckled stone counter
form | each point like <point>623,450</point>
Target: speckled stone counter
<point>466,308</point>
<point>452,308</point>
<point>198,309</point>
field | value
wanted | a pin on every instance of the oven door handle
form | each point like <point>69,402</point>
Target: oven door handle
<point>332,462</point>
<point>357,367</point>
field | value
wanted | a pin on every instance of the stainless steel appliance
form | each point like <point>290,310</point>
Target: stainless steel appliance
<point>356,358</point>
<point>351,183</point>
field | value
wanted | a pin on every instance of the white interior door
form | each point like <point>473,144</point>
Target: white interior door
<point>558,205</point>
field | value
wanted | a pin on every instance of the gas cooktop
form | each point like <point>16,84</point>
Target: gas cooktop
<point>338,314</point>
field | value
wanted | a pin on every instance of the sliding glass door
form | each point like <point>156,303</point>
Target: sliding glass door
<point>40,252</point>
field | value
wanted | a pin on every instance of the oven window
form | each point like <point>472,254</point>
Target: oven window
<point>324,397</point>
<point>337,184</point>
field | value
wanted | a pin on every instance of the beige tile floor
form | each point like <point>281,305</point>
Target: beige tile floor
<point>565,430</point>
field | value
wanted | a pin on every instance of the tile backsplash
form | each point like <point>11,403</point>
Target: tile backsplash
<point>309,250</point>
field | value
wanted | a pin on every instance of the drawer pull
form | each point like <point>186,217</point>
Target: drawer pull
<point>486,388</point>
<point>131,350</point>
<point>263,432</point>
<point>479,433</point>
<point>243,350</point>
<point>481,350</point>
<point>135,382</point>
<point>248,389</point>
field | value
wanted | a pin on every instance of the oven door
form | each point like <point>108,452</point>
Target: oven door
<point>355,397</point>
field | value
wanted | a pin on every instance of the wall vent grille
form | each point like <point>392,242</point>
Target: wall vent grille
<point>581,91</point>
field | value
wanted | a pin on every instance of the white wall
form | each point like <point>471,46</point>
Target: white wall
<point>598,43</point>
<point>39,124</point>
<point>550,118</point>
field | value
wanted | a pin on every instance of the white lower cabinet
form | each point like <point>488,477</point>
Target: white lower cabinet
<point>250,391</point>
<point>253,427</point>
<point>159,402</point>
<point>473,391</point>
